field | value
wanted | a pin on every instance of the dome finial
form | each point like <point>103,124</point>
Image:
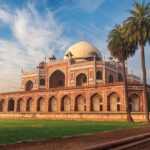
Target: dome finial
<point>82,36</point>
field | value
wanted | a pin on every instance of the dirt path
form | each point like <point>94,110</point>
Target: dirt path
<point>77,142</point>
<point>143,146</point>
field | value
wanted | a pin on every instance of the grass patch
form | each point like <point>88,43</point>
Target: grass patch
<point>14,130</point>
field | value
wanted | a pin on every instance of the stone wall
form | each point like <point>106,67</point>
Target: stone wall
<point>137,117</point>
<point>90,103</point>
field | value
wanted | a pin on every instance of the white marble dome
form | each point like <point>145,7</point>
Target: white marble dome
<point>83,49</point>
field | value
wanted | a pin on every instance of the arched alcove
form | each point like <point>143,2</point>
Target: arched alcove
<point>30,105</point>
<point>120,78</point>
<point>20,105</point>
<point>111,79</point>
<point>57,79</point>
<point>42,82</point>
<point>11,105</point>
<point>134,103</point>
<point>99,75</point>
<point>80,103</point>
<point>53,104</point>
<point>41,104</point>
<point>81,79</point>
<point>65,103</point>
<point>29,85</point>
<point>96,103</point>
<point>113,102</point>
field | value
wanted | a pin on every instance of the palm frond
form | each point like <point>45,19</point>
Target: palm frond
<point>137,26</point>
<point>118,45</point>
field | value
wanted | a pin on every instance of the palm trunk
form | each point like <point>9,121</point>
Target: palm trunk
<point>129,118</point>
<point>144,82</point>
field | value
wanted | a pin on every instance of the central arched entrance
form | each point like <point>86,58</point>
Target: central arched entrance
<point>57,79</point>
<point>81,79</point>
<point>80,103</point>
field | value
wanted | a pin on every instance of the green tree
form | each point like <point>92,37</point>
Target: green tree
<point>120,49</point>
<point>137,29</point>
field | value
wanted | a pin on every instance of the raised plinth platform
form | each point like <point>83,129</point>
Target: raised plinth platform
<point>137,117</point>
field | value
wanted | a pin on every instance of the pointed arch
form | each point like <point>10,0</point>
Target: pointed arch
<point>113,102</point>
<point>20,105</point>
<point>111,79</point>
<point>41,104</point>
<point>30,105</point>
<point>81,79</point>
<point>11,105</point>
<point>96,102</point>
<point>80,103</point>
<point>57,79</point>
<point>53,104</point>
<point>29,85</point>
<point>42,82</point>
<point>120,77</point>
<point>134,103</point>
<point>65,103</point>
<point>99,75</point>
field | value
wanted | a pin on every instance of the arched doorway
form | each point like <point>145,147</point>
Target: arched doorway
<point>29,85</point>
<point>20,105</point>
<point>81,79</point>
<point>65,103</point>
<point>134,103</point>
<point>96,103</point>
<point>30,105</point>
<point>99,75</point>
<point>114,102</point>
<point>120,78</point>
<point>41,104</point>
<point>1,105</point>
<point>42,82</point>
<point>80,103</point>
<point>53,104</point>
<point>111,79</point>
<point>11,105</point>
<point>57,79</point>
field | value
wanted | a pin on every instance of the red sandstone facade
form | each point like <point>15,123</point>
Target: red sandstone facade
<point>82,86</point>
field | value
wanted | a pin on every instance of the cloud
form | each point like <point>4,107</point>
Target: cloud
<point>35,36</point>
<point>88,5</point>
<point>5,16</point>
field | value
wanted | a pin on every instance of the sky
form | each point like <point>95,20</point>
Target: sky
<point>33,29</point>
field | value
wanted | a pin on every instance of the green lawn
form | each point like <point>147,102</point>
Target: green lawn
<point>13,130</point>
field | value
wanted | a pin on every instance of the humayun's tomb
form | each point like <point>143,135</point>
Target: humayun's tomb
<point>82,86</point>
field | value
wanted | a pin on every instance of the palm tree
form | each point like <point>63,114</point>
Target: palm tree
<point>120,49</point>
<point>137,29</point>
